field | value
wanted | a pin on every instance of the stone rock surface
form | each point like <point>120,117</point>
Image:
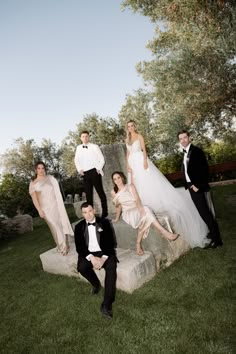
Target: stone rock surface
<point>132,271</point>
<point>164,251</point>
<point>20,223</point>
<point>115,160</point>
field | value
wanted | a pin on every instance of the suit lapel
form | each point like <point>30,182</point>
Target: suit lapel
<point>190,151</point>
<point>98,226</point>
<point>86,235</point>
<point>189,154</point>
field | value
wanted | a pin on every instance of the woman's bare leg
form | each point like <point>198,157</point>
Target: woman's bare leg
<point>166,234</point>
<point>139,243</point>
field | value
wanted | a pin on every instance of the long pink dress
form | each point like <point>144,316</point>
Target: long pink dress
<point>130,212</point>
<point>51,202</point>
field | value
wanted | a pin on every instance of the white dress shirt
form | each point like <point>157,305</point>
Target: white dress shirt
<point>186,163</point>
<point>93,245</point>
<point>88,158</point>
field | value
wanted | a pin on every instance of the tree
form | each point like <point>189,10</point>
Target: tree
<point>20,160</point>
<point>193,73</point>
<point>222,150</point>
<point>14,196</point>
<point>51,154</point>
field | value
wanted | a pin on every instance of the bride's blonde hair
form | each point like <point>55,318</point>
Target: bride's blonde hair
<point>128,134</point>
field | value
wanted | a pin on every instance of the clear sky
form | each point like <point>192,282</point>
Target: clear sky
<point>63,59</point>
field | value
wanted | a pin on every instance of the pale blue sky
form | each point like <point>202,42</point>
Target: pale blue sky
<point>63,59</point>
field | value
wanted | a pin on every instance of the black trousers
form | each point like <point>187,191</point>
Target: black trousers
<point>199,199</point>
<point>94,179</point>
<point>85,268</point>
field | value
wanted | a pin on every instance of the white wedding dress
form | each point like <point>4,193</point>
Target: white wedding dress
<point>157,193</point>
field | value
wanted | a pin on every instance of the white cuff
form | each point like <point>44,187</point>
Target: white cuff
<point>89,257</point>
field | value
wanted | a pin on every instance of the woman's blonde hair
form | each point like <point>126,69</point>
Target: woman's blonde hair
<point>128,135</point>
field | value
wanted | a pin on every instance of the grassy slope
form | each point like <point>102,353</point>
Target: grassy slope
<point>187,308</point>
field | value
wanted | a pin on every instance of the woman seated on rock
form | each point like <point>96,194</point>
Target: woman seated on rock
<point>126,199</point>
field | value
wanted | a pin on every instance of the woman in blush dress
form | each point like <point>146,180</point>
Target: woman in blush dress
<point>47,199</point>
<point>127,201</point>
<point>157,192</point>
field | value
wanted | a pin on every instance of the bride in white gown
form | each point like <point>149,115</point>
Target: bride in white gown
<point>157,192</point>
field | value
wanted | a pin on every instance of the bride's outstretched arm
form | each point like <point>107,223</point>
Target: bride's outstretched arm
<point>132,177</point>
<point>143,147</point>
<point>127,161</point>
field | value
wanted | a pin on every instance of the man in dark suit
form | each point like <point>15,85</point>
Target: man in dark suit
<point>195,174</point>
<point>95,242</point>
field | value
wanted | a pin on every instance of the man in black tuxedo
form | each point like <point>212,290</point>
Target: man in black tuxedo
<point>89,162</point>
<point>95,242</point>
<point>195,173</point>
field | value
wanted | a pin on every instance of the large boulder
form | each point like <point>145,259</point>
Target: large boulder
<point>165,252</point>
<point>132,271</point>
<point>19,223</point>
<point>115,160</point>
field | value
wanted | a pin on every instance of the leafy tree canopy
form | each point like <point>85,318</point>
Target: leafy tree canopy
<point>20,160</point>
<point>193,73</point>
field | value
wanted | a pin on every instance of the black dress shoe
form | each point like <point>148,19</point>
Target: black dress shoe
<point>106,312</point>
<point>96,289</point>
<point>214,244</point>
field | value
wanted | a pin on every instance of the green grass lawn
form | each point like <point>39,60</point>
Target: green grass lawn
<point>187,308</point>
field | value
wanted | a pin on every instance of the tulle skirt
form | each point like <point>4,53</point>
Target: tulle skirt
<point>157,193</point>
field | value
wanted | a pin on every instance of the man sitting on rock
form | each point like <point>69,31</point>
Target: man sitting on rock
<point>95,243</point>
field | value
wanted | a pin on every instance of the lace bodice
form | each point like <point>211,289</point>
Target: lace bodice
<point>135,147</point>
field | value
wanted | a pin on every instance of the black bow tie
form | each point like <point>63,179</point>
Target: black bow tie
<point>91,223</point>
<point>85,146</point>
<point>185,151</point>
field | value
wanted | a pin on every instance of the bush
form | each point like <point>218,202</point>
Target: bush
<point>14,196</point>
<point>5,232</point>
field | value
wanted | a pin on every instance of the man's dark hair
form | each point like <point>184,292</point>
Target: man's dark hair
<point>183,131</point>
<point>84,132</point>
<point>85,205</point>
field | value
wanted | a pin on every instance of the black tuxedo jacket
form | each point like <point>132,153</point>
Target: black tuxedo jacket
<point>197,169</point>
<point>105,236</point>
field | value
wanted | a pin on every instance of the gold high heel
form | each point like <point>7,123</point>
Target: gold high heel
<point>177,236</point>
<point>170,239</point>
